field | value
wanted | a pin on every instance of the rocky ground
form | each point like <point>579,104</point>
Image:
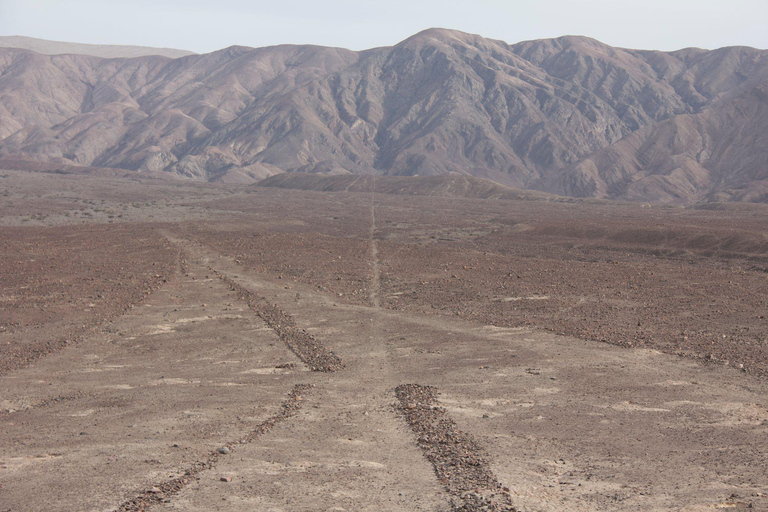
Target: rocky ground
<point>685,281</point>
<point>58,284</point>
<point>478,354</point>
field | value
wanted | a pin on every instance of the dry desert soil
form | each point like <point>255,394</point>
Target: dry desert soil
<point>170,345</point>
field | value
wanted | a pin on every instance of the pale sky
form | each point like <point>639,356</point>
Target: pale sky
<point>204,26</point>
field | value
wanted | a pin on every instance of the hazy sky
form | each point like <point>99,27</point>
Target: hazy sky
<point>208,25</point>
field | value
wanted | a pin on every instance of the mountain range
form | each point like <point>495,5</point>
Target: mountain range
<point>569,116</point>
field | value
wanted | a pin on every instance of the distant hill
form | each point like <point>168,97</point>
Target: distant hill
<point>96,50</point>
<point>445,185</point>
<point>32,166</point>
<point>569,116</point>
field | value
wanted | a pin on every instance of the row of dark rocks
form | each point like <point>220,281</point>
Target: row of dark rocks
<point>306,347</point>
<point>163,492</point>
<point>21,356</point>
<point>458,460</point>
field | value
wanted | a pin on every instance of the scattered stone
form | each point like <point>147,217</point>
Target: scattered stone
<point>224,450</point>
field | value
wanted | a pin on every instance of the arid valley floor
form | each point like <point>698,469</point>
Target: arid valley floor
<point>168,345</point>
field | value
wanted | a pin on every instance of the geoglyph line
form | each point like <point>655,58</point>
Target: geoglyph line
<point>306,347</point>
<point>458,460</point>
<point>162,493</point>
<point>376,280</point>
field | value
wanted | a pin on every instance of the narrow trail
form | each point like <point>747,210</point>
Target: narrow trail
<point>461,470</point>
<point>376,280</point>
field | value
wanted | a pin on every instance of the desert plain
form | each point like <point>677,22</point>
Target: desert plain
<point>174,345</point>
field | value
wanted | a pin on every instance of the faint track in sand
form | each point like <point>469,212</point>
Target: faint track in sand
<point>352,184</point>
<point>376,279</point>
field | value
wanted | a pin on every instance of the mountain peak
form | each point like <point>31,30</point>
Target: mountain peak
<point>575,40</point>
<point>443,35</point>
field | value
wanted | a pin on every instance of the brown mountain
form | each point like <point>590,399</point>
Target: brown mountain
<point>719,153</point>
<point>569,115</point>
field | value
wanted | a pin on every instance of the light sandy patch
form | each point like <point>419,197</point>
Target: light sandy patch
<point>161,329</point>
<point>266,371</point>
<point>668,383</point>
<point>632,407</point>
<point>16,463</point>
<point>545,391</point>
<point>81,414</point>
<point>172,382</point>
<point>118,386</point>
<point>516,299</point>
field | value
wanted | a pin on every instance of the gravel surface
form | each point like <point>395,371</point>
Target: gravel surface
<point>467,289</point>
<point>688,282</point>
<point>62,284</point>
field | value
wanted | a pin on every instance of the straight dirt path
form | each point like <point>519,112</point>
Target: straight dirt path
<point>376,269</point>
<point>456,458</point>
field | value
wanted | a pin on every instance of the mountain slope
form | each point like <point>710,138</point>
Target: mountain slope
<point>720,153</point>
<point>568,115</point>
